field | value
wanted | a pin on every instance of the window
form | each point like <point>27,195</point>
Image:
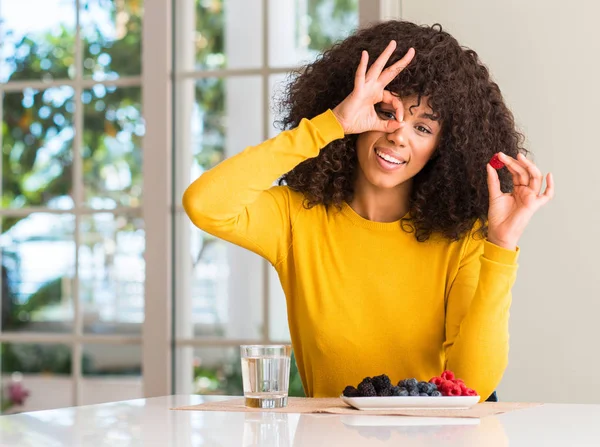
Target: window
<point>72,237</point>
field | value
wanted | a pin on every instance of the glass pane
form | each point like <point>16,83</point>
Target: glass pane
<point>209,370</point>
<point>216,34</point>
<point>27,358</point>
<point>207,125</point>
<point>218,371</point>
<point>35,377</point>
<point>38,265</point>
<point>112,154</point>
<point>227,289</point>
<point>277,86</point>
<point>112,34</point>
<point>43,391</point>
<point>111,360</point>
<point>37,140</point>
<point>111,273</point>
<point>304,28</point>
<point>37,40</point>
<point>278,322</point>
<point>225,117</point>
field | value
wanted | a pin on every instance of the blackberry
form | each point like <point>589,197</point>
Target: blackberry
<point>403,392</point>
<point>411,383</point>
<point>382,384</point>
<point>350,391</point>
<point>385,392</point>
<point>366,389</point>
<point>413,393</point>
<point>436,393</point>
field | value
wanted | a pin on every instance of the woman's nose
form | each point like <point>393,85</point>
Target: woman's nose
<point>398,136</point>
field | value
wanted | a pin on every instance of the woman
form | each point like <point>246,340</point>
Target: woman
<point>394,239</point>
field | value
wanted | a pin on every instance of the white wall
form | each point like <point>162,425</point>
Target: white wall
<point>545,55</point>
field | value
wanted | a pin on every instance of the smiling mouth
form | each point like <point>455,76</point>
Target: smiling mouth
<point>389,159</point>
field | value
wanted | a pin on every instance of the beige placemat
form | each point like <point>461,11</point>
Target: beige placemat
<point>337,406</point>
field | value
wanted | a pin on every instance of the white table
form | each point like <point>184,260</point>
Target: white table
<point>150,422</point>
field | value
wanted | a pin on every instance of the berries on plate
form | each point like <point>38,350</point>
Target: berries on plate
<point>447,384</point>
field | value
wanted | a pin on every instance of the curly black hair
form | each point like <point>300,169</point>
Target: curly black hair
<point>450,194</point>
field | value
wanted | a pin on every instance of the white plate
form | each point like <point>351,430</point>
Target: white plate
<point>400,421</point>
<point>408,402</point>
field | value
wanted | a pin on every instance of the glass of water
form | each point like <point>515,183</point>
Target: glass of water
<point>266,375</point>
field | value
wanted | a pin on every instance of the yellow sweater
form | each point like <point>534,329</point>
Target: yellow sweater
<point>363,298</point>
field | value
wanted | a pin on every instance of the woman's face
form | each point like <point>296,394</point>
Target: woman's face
<point>387,160</point>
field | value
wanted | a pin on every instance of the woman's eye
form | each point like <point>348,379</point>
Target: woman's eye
<point>423,129</point>
<point>386,114</point>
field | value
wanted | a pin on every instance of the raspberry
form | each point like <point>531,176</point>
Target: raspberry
<point>496,163</point>
<point>463,388</point>
<point>446,384</point>
<point>454,390</point>
<point>448,375</point>
<point>449,388</point>
<point>436,381</point>
<point>470,392</point>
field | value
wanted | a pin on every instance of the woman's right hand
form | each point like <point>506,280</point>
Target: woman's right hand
<point>357,113</point>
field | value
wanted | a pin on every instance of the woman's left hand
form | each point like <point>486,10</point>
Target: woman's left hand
<point>509,213</point>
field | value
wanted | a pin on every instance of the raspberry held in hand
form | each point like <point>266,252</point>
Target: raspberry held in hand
<point>496,163</point>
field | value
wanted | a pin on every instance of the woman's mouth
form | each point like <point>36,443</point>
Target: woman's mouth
<point>387,161</point>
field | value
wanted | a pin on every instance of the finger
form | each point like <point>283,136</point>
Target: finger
<point>395,102</point>
<point>493,182</point>
<point>387,126</point>
<point>377,67</point>
<point>535,175</point>
<point>391,126</point>
<point>549,193</point>
<point>519,173</point>
<point>359,77</point>
<point>390,73</point>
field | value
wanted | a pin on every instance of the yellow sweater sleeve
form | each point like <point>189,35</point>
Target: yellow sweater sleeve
<point>477,312</point>
<point>236,200</point>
